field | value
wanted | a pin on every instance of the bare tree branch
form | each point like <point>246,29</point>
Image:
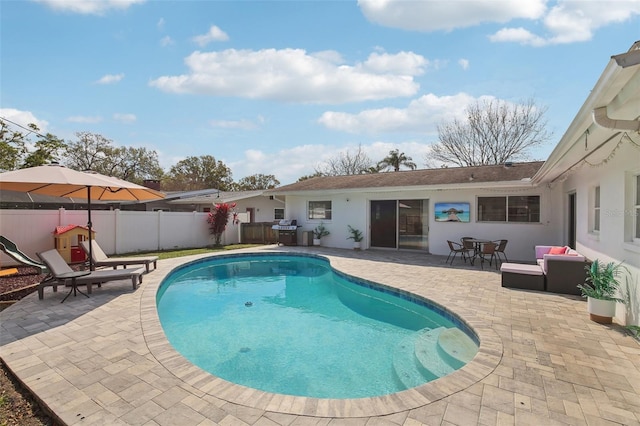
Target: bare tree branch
<point>347,163</point>
<point>493,132</point>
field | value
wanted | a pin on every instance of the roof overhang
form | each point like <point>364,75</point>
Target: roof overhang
<point>220,197</point>
<point>521,184</point>
<point>609,113</point>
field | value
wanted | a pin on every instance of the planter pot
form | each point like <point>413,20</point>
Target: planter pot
<point>601,311</point>
<point>356,245</point>
<point>316,241</point>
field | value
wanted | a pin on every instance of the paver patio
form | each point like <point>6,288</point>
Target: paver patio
<point>105,361</point>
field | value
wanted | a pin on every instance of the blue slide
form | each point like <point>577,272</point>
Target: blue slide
<point>12,250</point>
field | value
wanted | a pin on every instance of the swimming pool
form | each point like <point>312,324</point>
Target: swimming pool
<point>290,324</point>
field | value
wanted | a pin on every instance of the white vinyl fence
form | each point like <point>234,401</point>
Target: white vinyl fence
<point>116,231</point>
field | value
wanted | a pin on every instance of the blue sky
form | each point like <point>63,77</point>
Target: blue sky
<point>276,87</point>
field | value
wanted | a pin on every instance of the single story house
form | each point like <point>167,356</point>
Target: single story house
<point>258,206</point>
<point>585,195</point>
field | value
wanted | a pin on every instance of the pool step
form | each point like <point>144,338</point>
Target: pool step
<point>429,354</point>
<point>456,347</point>
<point>406,367</point>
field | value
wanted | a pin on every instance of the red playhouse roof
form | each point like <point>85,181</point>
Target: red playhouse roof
<point>62,229</point>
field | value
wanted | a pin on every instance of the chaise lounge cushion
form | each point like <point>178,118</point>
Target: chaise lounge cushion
<point>60,274</point>
<point>521,268</point>
<point>570,257</point>
<point>522,276</point>
<point>99,258</point>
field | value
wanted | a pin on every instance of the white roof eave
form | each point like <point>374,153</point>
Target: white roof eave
<point>574,144</point>
<point>520,184</point>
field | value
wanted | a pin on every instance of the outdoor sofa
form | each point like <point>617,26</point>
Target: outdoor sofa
<point>557,270</point>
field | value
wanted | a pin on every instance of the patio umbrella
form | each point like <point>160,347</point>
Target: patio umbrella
<point>59,181</point>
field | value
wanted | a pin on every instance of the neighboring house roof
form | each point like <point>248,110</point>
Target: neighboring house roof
<point>609,114</point>
<point>219,197</point>
<point>9,199</point>
<point>509,174</point>
<point>173,195</point>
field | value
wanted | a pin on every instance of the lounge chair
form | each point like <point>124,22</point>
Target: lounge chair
<point>62,274</point>
<point>12,250</point>
<point>99,258</point>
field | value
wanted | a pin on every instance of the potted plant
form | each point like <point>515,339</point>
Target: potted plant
<point>356,236</point>
<point>600,289</point>
<point>319,232</point>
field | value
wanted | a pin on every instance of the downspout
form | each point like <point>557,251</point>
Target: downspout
<point>601,118</point>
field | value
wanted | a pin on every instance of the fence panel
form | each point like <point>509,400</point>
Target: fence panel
<point>258,233</point>
<point>116,231</point>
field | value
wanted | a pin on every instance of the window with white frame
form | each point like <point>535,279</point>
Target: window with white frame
<point>278,214</point>
<point>596,209</point>
<point>509,209</point>
<point>319,210</point>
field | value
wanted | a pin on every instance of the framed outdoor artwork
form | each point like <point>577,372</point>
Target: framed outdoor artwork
<point>452,212</point>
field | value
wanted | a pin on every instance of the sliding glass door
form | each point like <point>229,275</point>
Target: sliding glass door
<point>413,224</point>
<point>383,223</point>
<point>400,224</point>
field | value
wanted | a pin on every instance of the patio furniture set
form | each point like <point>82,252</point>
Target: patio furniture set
<point>60,273</point>
<point>557,270</point>
<point>477,248</point>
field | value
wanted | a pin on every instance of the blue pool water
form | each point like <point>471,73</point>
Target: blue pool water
<point>292,325</point>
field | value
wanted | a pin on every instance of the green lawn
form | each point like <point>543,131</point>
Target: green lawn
<point>169,254</point>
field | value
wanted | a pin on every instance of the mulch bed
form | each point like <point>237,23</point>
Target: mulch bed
<point>17,405</point>
<point>17,286</point>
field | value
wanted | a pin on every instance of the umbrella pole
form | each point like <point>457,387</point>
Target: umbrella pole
<point>89,225</point>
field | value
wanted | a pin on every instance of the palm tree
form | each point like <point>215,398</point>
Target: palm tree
<point>396,159</point>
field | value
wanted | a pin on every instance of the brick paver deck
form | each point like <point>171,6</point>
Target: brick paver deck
<point>105,361</point>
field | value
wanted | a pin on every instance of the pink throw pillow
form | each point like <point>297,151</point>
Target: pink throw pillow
<point>558,250</point>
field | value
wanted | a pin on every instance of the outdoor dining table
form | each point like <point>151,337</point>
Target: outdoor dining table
<point>477,246</point>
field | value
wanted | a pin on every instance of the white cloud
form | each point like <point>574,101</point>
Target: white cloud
<point>125,118</point>
<point>434,15</point>
<point>160,24</point>
<point>23,118</point>
<point>517,35</point>
<point>562,21</point>
<point>572,21</point>
<point>293,75</point>
<point>84,119</point>
<point>421,115</point>
<point>89,7</point>
<point>234,124</point>
<point>399,63</point>
<point>464,63</point>
<point>214,34</point>
<point>110,79</point>
<point>166,41</point>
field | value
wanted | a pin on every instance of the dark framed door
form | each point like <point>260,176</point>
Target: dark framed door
<point>251,212</point>
<point>571,225</point>
<point>384,223</point>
